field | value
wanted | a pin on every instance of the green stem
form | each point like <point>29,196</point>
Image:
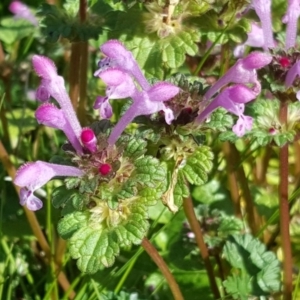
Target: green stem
<point>125,275</point>
<point>33,222</point>
<point>153,253</point>
<point>196,228</point>
<point>5,75</point>
<point>284,209</point>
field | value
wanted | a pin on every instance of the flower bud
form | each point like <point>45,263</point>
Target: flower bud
<point>104,169</point>
<point>89,139</point>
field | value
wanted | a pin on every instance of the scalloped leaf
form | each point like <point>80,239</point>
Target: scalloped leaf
<point>198,165</point>
<point>58,23</point>
<point>153,54</point>
<point>181,190</point>
<point>135,148</point>
<point>239,287</point>
<point>70,223</point>
<point>61,195</point>
<point>220,120</point>
<point>249,256</point>
<point>95,244</point>
<point>149,171</point>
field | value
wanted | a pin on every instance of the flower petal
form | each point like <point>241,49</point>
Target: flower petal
<point>51,116</point>
<point>291,18</point>
<point>123,59</point>
<point>243,124</point>
<point>28,199</point>
<point>163,91</point>
<point>263,10</point>
<point>22,11</point>
<point>104,107</point>
<point>44,67</point>
<point>36,174</point>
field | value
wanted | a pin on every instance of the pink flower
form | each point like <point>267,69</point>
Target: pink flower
<point>243,71</point>
<point>120,85</point>
<point>233,99</point>
<point>291,19</point>
<point>118,56</point>
<point>263,10</point>
<point>21,11</point>
<point>53,85</point>
<point>33,176</point>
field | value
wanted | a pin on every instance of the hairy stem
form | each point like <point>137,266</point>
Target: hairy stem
<point>153,253</point>
<point>284,209</point>
<point>196,228</point>
<point>33,222</point>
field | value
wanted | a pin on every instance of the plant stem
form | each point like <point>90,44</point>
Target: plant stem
<point>284,209</point>
<point>5,75</point>
<point>83,83</point>
<point>153,253</point>
<point>83,66</point>
<point>232,179</point>
<point>74,73</point>
<point>196,228</point>
<point>33,222</point>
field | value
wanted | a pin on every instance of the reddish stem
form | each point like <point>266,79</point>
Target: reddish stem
<point>196,228</point>
<point>150,249</point>
<point>284,209</point>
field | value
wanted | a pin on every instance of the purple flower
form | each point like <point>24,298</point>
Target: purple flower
<point>243,71</point>
<point>233,99</point>
<point>120,85</point>
<point>89,139</point>
<point>104,107</point>
<point>291,19</point>
<point>52,84</point>
<point>255,39</point>
<point>263,10</point>
<point>33,176</point>
<point>48,114</point>
<point>293,72</point>
<point>118,56</point>
<point>21,11</point>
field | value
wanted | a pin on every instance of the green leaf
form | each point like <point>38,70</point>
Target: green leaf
<point>181,191</point>
<point>248,255</point>
<point>154,55</point>
<point>220,120</point>
<point>13,30</point>
<point>70,223</point>
<point>58,23</point>
<point>135,148</point>
<point>95,243</point>
<point>149,172</point>
<point>61,195</point>
<point>198,165</point>
<point>238,286</point>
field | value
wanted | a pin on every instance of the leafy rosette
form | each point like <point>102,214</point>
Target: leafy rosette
<point>105,211</point>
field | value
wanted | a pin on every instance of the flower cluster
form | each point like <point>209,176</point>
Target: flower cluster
<point>117,70</point>
<point>244,71</point>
